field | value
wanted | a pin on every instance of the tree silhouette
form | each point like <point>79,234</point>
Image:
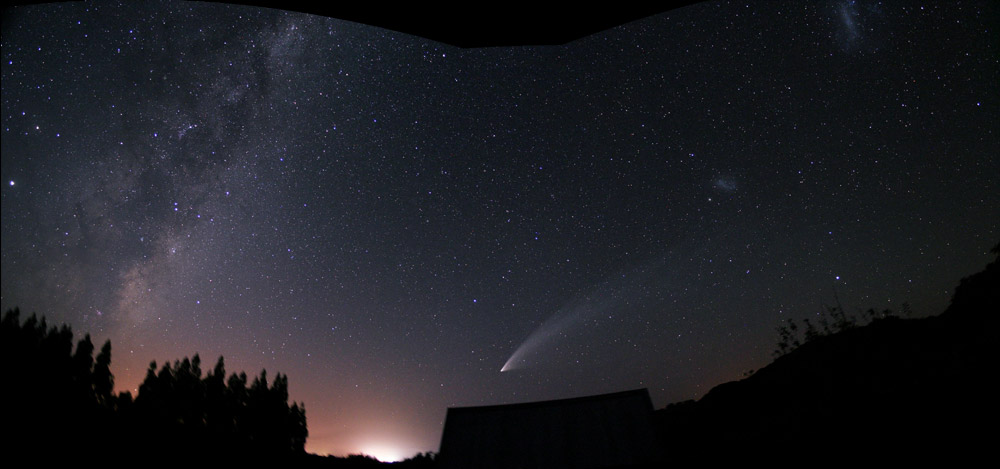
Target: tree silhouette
<point>55,396</point>
<point>104,381</point>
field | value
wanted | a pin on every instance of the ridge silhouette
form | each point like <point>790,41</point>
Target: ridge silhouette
<point>894,389</point>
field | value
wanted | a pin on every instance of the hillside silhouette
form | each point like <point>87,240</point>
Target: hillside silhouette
<point>892,388</point>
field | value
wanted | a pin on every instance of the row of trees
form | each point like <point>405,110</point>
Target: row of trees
<point>179,403</point>
<point>58,397</point>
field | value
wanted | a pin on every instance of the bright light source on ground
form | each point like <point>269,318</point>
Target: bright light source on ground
<point>384,452</point>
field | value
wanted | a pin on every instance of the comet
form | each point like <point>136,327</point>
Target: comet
<point>612,297</point>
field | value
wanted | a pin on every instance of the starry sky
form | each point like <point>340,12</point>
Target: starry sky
<point>391,221</point>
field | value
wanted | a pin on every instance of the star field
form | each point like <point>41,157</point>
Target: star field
<point>386,219</point>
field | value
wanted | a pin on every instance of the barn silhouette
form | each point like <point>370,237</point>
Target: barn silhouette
<point>603,431</point>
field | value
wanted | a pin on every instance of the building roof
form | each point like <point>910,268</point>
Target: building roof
<point>603,431</point>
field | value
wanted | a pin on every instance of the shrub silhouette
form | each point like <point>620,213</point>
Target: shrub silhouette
<point>833,320</point>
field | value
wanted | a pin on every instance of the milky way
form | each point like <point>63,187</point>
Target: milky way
<point>386,219</point>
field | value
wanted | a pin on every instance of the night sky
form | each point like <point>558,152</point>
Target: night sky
<point>390,221</point>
